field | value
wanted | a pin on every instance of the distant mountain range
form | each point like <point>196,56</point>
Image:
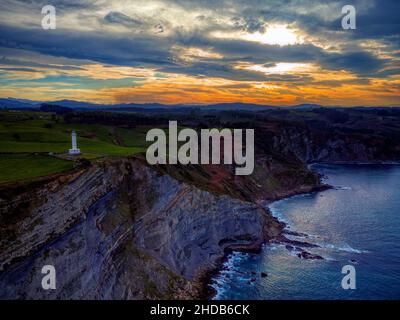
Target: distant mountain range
<point>13,103</point>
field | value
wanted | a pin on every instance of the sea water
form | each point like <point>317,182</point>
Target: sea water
<point>356,223</point>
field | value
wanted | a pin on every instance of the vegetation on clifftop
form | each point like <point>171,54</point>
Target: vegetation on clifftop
<point>26,139</point>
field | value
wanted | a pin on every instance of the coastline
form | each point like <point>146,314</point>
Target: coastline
<point>204,280</point>
<point>335,221</point>
<point>211,291</point>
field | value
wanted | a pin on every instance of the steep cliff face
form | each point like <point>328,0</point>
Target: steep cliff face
<point>310,145</point>
<point>120,229</point>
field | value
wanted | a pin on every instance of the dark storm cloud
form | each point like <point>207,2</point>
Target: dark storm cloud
<point>33,64</point>
<point>98,47</point>
<point>375,21</point>
<point>360,62</point>
<point>19,69</point>
<point>120,18</point>
<point>139,51</point>
<point>63,5</point>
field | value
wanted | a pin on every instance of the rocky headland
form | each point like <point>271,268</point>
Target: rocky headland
<point>120,229</point>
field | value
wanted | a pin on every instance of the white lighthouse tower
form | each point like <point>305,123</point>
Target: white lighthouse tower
<point>74,150</point>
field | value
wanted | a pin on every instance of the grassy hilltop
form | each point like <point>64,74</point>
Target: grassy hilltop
<point>27,138</point>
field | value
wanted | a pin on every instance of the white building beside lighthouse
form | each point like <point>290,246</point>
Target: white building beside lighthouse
<point>74,150</point>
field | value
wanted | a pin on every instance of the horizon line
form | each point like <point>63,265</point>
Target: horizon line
<point>34,102</point>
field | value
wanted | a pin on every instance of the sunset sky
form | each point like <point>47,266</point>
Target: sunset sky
<point>179,51</point>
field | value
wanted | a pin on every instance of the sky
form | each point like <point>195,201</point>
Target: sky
<point>267,52</point>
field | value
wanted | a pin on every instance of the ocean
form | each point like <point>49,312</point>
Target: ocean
<point>356,223</point>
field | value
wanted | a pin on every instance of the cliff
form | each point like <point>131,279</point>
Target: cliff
<point>121,230</point>
<point>310,143</point>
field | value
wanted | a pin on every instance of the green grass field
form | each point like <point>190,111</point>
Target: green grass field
<point>17,167</point>
<point>23,134</point>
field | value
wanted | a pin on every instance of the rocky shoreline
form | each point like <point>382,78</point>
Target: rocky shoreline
<point>207,292</point>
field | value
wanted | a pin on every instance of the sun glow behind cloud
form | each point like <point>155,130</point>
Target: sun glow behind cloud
<point>276,35</point>
<point>279,68</point>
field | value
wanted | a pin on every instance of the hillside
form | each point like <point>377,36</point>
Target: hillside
<point>121,229</point>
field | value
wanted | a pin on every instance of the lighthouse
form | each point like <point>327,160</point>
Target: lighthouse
<point>74,150</point>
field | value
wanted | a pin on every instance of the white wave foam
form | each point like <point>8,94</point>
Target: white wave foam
<point>345,247</point>
<point>276,213</point>
<point>348,248</point>
<point>343,188</point>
